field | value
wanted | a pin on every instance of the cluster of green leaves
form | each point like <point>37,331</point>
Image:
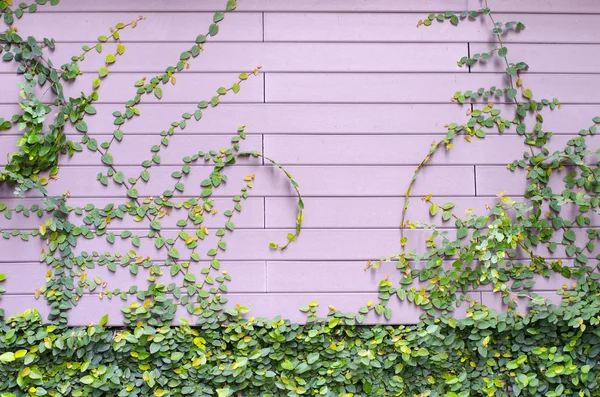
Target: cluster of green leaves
<point>550,350</point>
<point>8,12</point>
<point>185,282</point>
<point>546,234</point>
<point>483,354</point>
<point>41,145</point>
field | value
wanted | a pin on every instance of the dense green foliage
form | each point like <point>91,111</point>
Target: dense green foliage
<point>551,350</point>
<point>483,354</point>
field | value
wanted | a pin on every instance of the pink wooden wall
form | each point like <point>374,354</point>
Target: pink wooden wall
<point>350,98</point>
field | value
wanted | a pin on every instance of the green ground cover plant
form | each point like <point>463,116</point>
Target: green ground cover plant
<point>534,348</point>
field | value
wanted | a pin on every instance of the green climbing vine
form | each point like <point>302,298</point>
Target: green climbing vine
<point>534,348</point>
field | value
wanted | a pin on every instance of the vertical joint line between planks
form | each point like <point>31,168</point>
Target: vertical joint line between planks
<point>264,87</point>
<point>468,54</point>
<point>266,276</point>
<point>475,178</point>
<point>263,26</point>
<point>264,212</point>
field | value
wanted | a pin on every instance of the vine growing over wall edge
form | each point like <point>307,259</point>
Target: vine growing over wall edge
<point>552,350</point>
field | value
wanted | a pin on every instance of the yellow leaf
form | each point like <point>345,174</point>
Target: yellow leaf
<point>42,229</point>
<point>486,341</point>
<point>20,353</point>
<point>120,48</point>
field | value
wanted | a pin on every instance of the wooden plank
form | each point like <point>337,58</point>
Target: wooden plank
<point>308,118</point>
<point>90,308</point>
<point>25,278</point>
<point>158,26</point>
<point>541,58</point>
<point>190,88</point>
<point>418,88</point>
<point>251,217</point>
<point>274,57</point>
<point>569,119</point>
<point>351,276</point>
<point>249,244</point>
<point>377,212</point>
<point>397,27</point>
<point>259,5</point>
<point>286,118</point>
<point>397,150</point>
<point>492,180</point>
<point>541,6</point>
<point>253,245</point>
<point>133,150</point>
<point>314,181</point>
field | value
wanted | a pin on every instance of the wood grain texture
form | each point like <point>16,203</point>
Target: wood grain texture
<point>541,58</point>
<point>274,57</point>
<point>375,212</point>
<point>262,305</point>
<point>541,6</point>
<point>409,88</point>
<point>283,118</point>
<point>261,5</point>
<point>351,96</point>
<point>190,88</point>
<point>158,26</point>
<point>399,27</point>
<point>316,181</point>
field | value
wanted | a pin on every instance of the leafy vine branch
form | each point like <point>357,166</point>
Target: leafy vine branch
<point>39,152</point>
<point>518,240</point>
<point>547,349</point>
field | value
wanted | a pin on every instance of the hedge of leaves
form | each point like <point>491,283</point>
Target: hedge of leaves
<point>535,348</point>
<point>486,354</point>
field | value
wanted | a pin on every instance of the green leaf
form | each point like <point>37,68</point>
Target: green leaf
<point>107,159</point>
<point>7,357</point>
<point>87,380</point>
<point>569,235</point>
<point>218,17</point>
<point>213,29</point>
<point>433,209</point>
<point>173,253</point>
<point>462,233</point>
<point>158,92</point>
<point>225,392</point>
<point>132,193</point>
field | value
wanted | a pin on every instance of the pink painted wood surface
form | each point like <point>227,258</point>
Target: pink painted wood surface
<point>351,96</point>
